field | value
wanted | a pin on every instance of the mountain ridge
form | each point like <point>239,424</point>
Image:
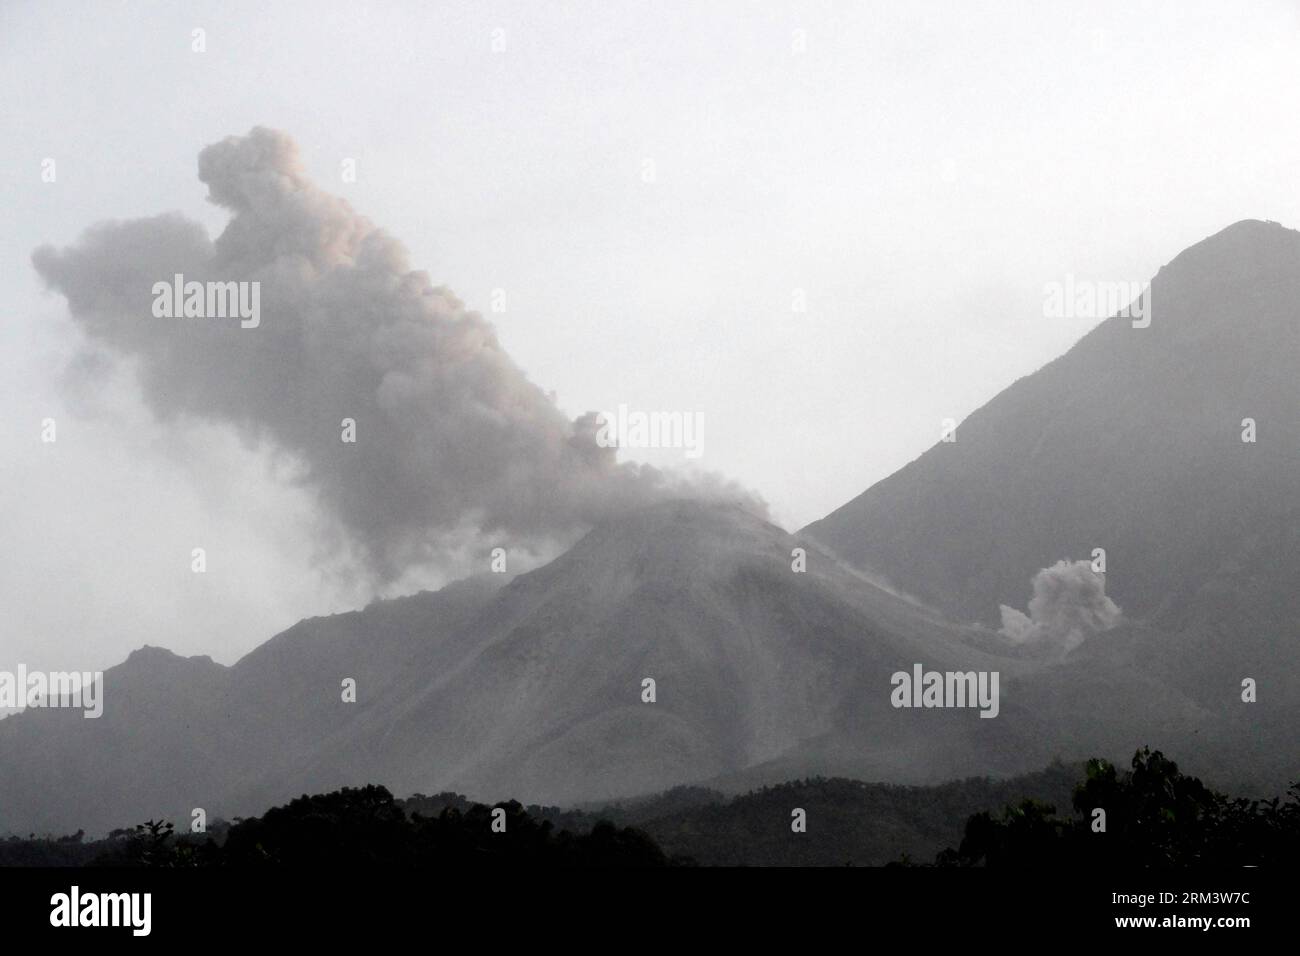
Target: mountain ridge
<point>766,669</point>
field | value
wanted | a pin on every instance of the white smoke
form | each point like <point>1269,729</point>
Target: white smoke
<point>1068,605</point>
<point>450,433</point>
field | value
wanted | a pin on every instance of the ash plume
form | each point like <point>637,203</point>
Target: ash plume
<point>450,433</point>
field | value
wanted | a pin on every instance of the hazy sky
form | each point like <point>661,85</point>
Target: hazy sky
<point>914,172</point>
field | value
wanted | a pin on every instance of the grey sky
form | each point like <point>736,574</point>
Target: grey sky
<point>919,172</point>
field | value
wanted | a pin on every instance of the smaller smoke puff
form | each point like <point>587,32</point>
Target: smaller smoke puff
<point>1069,604</point>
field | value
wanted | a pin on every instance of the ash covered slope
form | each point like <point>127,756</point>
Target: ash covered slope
<point>752,662</point>
<point>533,689</point>
<point>761,675</point>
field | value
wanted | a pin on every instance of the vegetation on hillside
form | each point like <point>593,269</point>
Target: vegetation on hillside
<point>1149,816</point>
<point>1154,816</point>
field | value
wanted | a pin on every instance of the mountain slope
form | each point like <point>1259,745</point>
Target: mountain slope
<point>751,662</point>
<point>180,733</point>
<point>1131,442</point>
<point>532,689</point>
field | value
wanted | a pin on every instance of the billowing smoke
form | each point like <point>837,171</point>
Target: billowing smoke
<point>1069,604</point>
<point>449,433</point>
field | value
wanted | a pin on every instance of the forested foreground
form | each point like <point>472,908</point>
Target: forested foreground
<point>1095,815</point>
